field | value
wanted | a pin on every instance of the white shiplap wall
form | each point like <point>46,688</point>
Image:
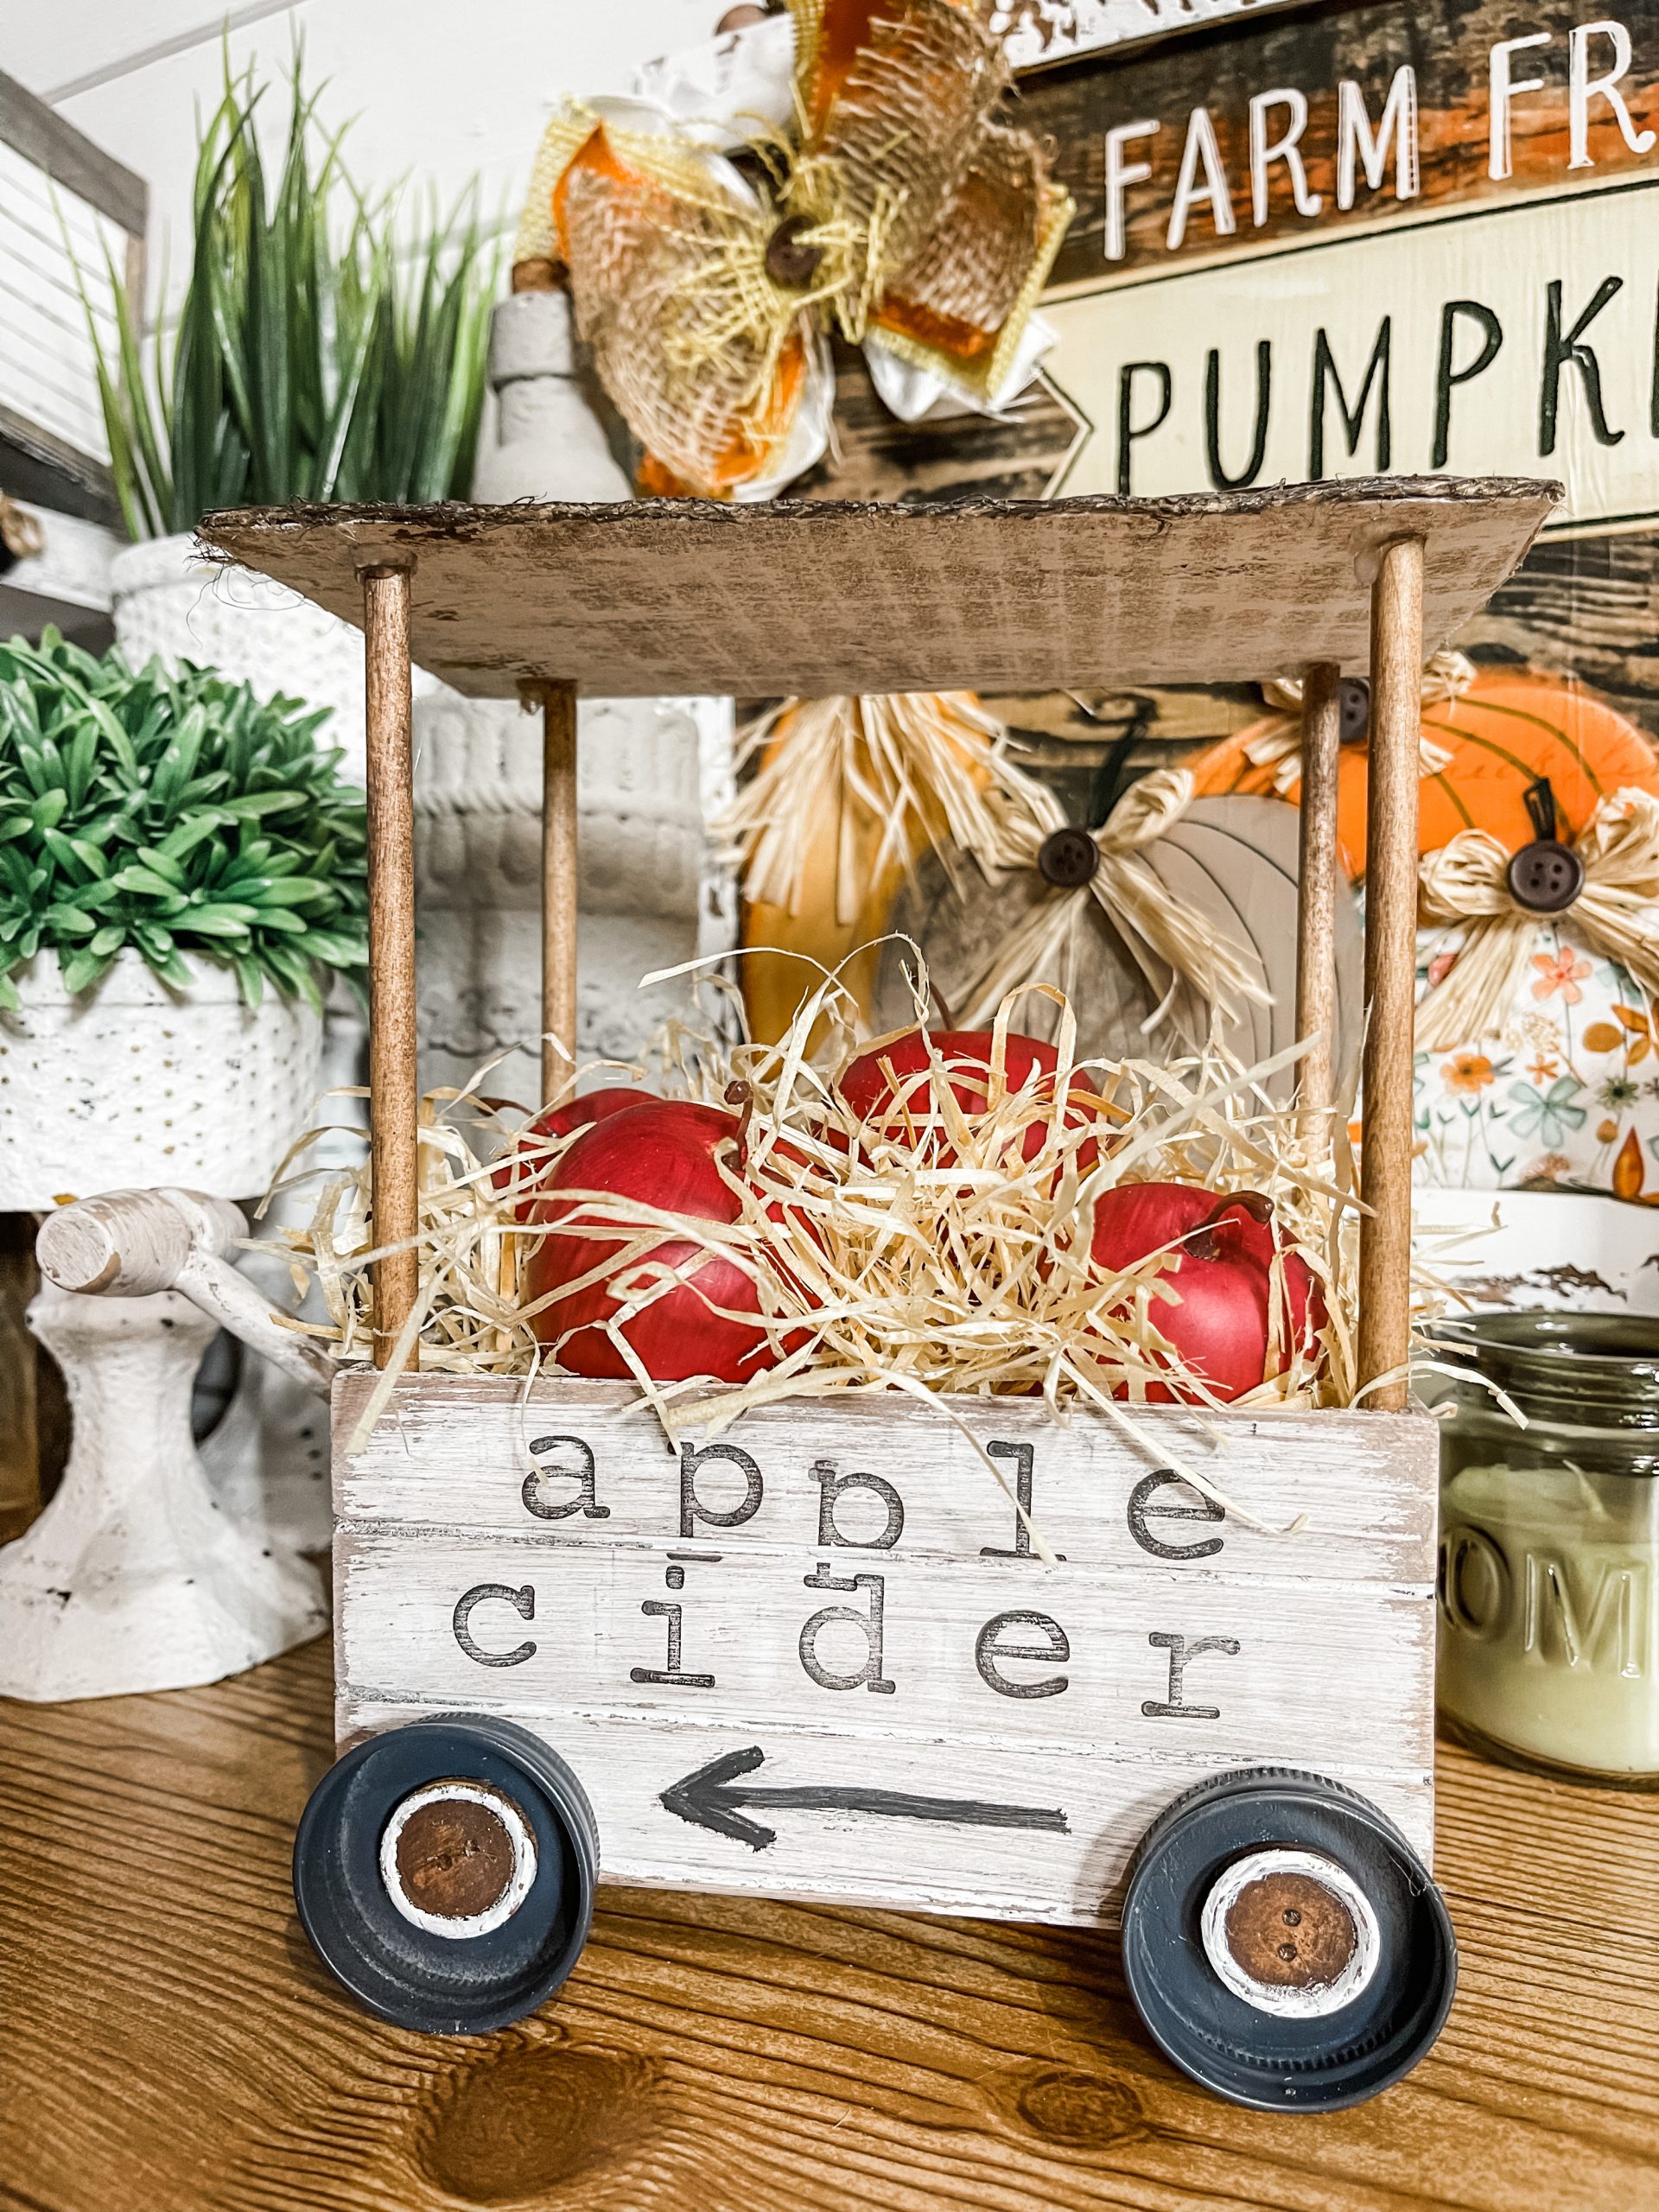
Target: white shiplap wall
<point>48,374</point>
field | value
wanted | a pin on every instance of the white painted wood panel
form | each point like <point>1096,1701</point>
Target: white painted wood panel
<point>877,1645</point>
<point>838,1853</point>
<point>1037,32</point>
<point>838,1598</point>
<point>460,1451</point>
<point>48,370</point>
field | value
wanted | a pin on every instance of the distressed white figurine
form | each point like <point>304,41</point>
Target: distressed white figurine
<point>135,1578</point>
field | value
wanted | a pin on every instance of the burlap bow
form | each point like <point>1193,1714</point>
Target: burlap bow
<point>1447,677</point>
<point>898,209</point>
<point>1466,883</point>
<point>1170,943</point>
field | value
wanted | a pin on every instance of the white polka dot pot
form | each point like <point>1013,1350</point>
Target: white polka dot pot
<point>167,600</point>
<point>131,1084</point>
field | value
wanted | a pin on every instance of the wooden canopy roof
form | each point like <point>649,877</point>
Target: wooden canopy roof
<point>814,597</point>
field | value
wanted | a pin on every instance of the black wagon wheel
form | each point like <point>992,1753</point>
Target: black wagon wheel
<point>444,1872</point>
<point>1284,1943</point>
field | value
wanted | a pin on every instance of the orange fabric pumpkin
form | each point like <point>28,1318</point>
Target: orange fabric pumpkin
<point>1510,727</point>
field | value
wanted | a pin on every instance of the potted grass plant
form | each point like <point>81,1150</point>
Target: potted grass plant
<point>316,354</point>
<point>180,869</point>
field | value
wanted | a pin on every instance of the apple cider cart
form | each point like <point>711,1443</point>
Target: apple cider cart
<point>814,1655</point>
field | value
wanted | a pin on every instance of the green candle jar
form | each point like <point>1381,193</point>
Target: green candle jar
<point>1549,1543</point>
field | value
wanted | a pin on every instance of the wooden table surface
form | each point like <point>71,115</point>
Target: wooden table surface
<point>166,2040</point>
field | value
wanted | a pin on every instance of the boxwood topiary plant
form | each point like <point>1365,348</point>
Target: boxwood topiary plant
<point>174,815</point>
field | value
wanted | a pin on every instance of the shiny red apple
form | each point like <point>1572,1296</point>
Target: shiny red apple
<point>1222,1253</point>
<point>662,1154</point>
<point>525,1167</point>
<point>891,1087</point>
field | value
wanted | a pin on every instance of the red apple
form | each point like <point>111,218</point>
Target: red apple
<point>892,1086</point>
<point>662,1153</point>
<point>1222,1255</point>
<point>525,1167</point>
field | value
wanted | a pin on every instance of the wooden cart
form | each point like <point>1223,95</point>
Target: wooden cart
<point>814,1655</point>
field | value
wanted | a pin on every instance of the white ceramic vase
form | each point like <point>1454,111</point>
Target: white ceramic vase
<point>167,601</point>
<point>651,774</point>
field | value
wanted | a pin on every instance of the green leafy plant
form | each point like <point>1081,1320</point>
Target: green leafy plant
<point>312,359</point>
<point>172,815</point>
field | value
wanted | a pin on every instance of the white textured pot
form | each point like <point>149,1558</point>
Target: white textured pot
<point>131,1084</point>
<point>165,600</point>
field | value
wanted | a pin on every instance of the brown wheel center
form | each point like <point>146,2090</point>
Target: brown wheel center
<point>454,1858</point>
<point>1289,1931</point>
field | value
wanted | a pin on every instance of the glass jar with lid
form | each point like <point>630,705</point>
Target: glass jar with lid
<point>1549,1542</point>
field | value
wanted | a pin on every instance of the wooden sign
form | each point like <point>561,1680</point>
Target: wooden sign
<point>1390,352</point>
<point>1322,248</point>
<point>1036,31</point>
<point>820,1654</point>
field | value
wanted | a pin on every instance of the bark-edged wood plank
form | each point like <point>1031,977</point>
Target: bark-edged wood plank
<point>820,596</point>
<point>173,2047</point>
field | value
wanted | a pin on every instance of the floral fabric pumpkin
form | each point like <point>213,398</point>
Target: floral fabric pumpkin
<point>1567,1093</point>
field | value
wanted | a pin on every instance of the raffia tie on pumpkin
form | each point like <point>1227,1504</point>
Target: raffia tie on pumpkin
<point>1446,677</point>
<point>922,766</point>
<point>1169,943</point>
<point>1466,883</point>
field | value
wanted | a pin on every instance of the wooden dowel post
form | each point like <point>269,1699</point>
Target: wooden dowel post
<point>1316,938</point>
<point>1391,969</point>
<point>558,887</point>
<point>394,1079</point>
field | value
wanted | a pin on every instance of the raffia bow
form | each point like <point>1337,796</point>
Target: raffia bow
<point>920,768</point>
<point>899,211</point>
<point>1171,944</point>
<point>1447,677</point>
<point>1466,883</point>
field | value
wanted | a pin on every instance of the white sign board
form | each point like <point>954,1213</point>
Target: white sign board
<point>52,244</point>
<point>1422,347</point>
<point>818,1654</point>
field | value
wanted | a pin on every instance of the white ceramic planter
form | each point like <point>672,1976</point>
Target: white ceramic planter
<point>651,774</point>
<point>645,898</point>
<point>131,1084</point>
<point>165,600</point>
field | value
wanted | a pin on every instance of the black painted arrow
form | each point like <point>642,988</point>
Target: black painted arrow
<point>711,1798</point>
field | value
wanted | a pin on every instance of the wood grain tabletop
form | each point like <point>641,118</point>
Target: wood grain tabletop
<point>168,2043</point>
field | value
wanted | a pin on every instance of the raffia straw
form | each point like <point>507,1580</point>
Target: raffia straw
<point>922,768</point>
<point>920,1253</point>
<point>1447,676</point>
<point>1161,933</point>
